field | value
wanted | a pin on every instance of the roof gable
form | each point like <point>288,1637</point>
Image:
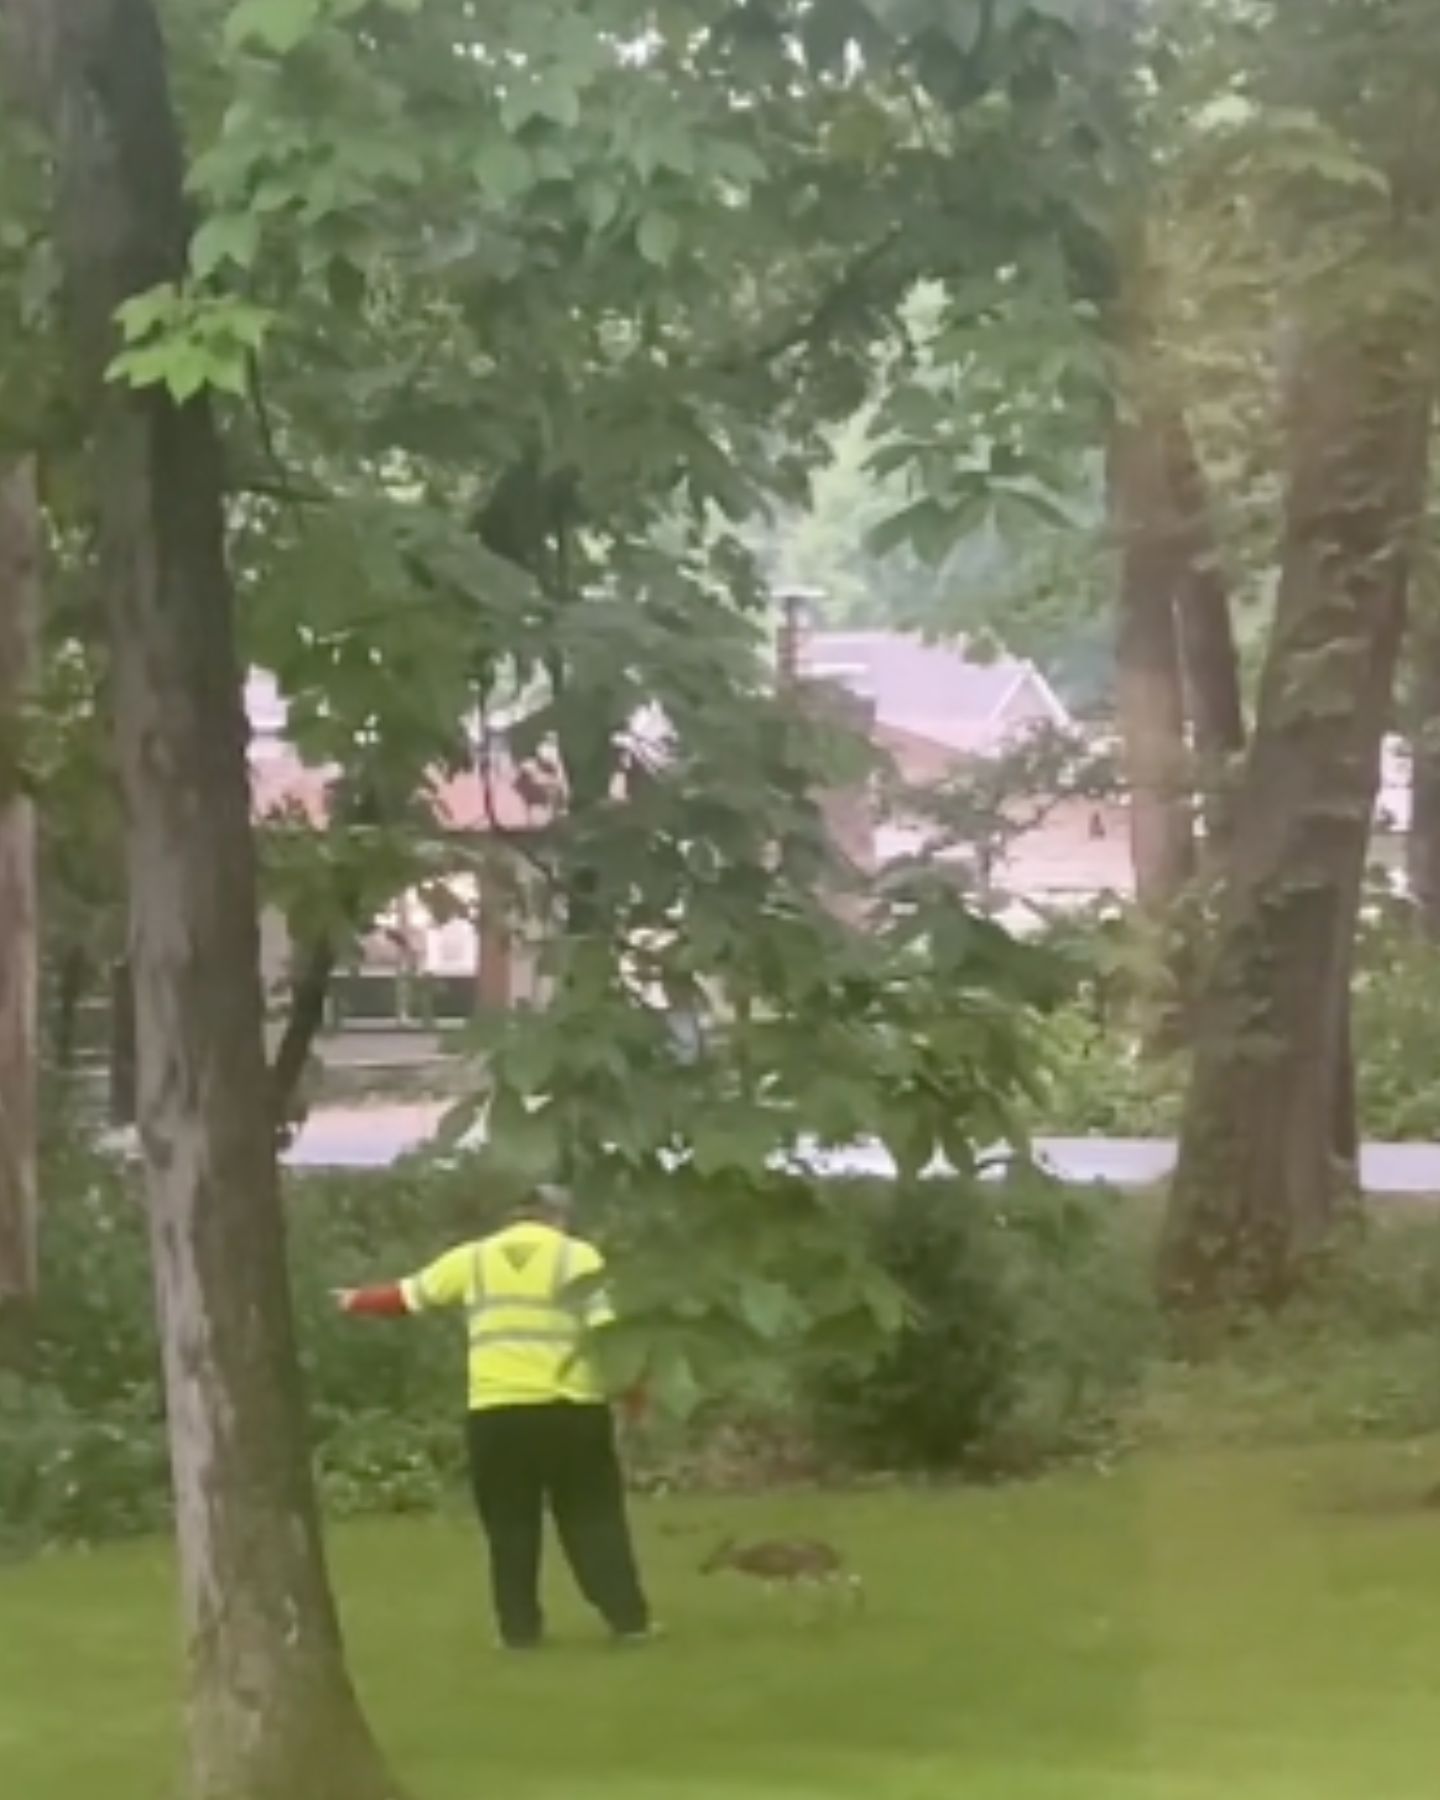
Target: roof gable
<point>933,690</point>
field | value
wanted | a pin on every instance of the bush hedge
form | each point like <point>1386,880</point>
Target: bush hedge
<point>1031,1336</point>
<point>1031,1324</point>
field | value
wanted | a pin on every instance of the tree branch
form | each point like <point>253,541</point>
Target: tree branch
<point>310,987</point>
<point>309,993</point>
<point>513,840</point>
<point>847,287</point>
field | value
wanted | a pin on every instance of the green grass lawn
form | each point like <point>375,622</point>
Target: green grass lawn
<point>1258,1625</point>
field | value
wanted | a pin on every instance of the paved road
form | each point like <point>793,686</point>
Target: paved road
<point>372,1137</point>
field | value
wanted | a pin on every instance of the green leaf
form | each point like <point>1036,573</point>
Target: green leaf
<point>557,100</point>
<point>658,238</point>
<point>372,158</point>
<point>675,1385</point>
<point>227,238</point>
<point>623,1354</point>
<point>143,314</point>
<point>141,368</point>
<point>733,1139</point>
<point>886,1303</point>
<point>1019,503</point>
<point>521,1142</point>
<point>925,526</point>
<point>603,201</point>
<point>767,1309</point>
<point>246,324</point>
<point>505,170</point>
<point>186,373</point>
<point>549,96</point>
<point>737,162</point>
<point>229,375</point>
<point>278,25</point>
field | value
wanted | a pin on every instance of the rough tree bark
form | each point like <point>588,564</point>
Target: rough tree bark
<point>19,959</point>
<point>271,1712</point>
<point>1207,637</point>
<point>1150,699</point>
<point>495,967</point>
<point>1423,842</point>
<point>1258,1185</point>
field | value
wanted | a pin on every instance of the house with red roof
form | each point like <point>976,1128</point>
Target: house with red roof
<point>937,707</point>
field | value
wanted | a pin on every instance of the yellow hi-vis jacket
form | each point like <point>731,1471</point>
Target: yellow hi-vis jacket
<point>530,1297</point>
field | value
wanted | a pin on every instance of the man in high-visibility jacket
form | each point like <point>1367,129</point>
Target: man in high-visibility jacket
<point>540,1429</point>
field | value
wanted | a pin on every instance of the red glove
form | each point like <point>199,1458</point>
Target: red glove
<point>375,1302</point>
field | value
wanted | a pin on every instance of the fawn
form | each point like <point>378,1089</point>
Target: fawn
<point>790,1563</point>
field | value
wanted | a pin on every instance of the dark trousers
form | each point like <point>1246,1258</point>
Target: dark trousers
<point>525,1458</point>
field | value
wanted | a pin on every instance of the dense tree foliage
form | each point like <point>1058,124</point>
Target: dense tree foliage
<point>478,369</point>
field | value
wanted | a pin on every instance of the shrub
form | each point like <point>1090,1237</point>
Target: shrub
<point>1029,1326</point>
<point>953,1373</point>
<point>84,1443</point>
<point>1088,1319</point>
<point>95,1327</point>
<point>71,1477</point>
<point>1101,1080</point>
<point>1397,1024</point>
<point>378,1462</point>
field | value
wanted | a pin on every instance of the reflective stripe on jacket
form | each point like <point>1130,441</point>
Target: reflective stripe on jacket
<point>526,1315</point>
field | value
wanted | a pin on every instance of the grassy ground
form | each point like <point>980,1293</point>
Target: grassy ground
<point>1263,1626</point>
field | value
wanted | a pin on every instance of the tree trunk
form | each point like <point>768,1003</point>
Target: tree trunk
<point>1207,637</point>
<point>586,744</point>
<point>1422,848</point>
<point>271,1712</point>
<point>19,961</point>
<point>1149,693</point>
<point>1257,1186</point>
<point>495,947</point>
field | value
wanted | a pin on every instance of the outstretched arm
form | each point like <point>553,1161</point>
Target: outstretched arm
<point>444,1283</point>
<point>387,1302</point>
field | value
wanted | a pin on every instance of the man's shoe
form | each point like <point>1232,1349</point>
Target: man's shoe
<point>637,1640</point>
